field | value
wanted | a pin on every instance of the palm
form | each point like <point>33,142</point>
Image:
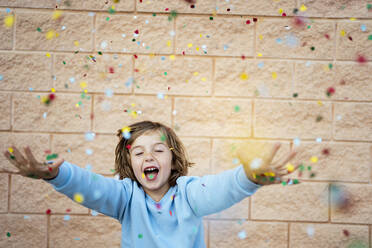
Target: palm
<point>261,169</point>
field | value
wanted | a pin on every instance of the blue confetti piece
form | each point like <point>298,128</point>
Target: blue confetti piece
<point>235,161</point>
<point>138,43</point>
<point>242,235</point>
<point>126,135</point>
<point>66,217</point>
<point>225,47</point>
<point>162,58</point>
<point>68,150</point>
<point>108,92</point>
<point>89,136</point>
<point>319,140</point>
<point>77,238</point>
<point>30,89</point>
<point>291,40</point>
<point>261,65</point>
<point>129,82</point>
<point>363,27</point>
<point>26,217</point>
<point>120,65</point>
<point>160,95</point>
<point>94,213</point>
<point>97,194</point>
<point>1,77</point>
<point>296,141</point>
<point>88,167</point>
<point>45,115</point>
<point>72,80</point>
<point>279,40</point>
<point>308,63</point>
<point>8,10</point>
<point>89,151</point>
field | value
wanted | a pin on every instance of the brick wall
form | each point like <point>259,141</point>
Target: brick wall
<point>221,73</point>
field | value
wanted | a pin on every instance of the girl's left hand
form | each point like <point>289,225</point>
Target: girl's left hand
<point>263,172</point>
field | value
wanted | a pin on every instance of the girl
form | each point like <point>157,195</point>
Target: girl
<point>156,203</point>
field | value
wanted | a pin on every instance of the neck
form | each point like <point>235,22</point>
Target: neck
<point>158,194</point>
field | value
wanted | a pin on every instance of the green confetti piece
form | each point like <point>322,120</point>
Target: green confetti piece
<point>370,37</point>
<point>151,176</point>
<point>111,10</point>
<point>165,73</point>
<point>369,6</point>
<point>52,156</point>
<point>302,167</point>
<point>12,156</point>
<point>162,137</point>
<point>312,175</point>
<point>295,94</point>
<point>308,27</point>
<point>272,179</point>
<point>8,234</point>
<point>112,170</point>
<point>153,14</point>
<point>236,108</point>
<point>295,181</point>
<point>133,40</point>
<point>38,29</point>
<point>140,236</point>
<point>309,168</point>
<point>100,53</point>
<point>284,183</point>
<point>211,18</point>
<point>330,66</point>
<point>312,48</point>
<point>107,18</point>
<point>64,62</point>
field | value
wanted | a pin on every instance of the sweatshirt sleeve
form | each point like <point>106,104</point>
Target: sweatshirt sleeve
<point>108,196</point>
<point>213,193</point>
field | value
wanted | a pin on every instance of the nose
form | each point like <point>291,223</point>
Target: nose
<point>148,156</point>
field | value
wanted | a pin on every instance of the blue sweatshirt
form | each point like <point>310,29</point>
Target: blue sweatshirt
<point>174,221</point>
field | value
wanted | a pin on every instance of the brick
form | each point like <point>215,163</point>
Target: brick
<point>35,68</point>
<point>3,192</point>
<point>75,149</point>
<point>122,5</point>
<point>78,29</point>
<point>221,36</point>
<point>36,196</point>
<point>28,3</point>
<point>326,235</point>
<point>6,34</point>
<point>200,7</point>
<point>206,232</point>
<point>179,76</point>
<point>117,33</point>
<point>237,211</point>
<point>353,81</point>
<point>110,116</point>
<point>329,8</point>
<point>346,162</point>
<point>109,72</point>
<point>313,78</point>
<point>84,231</point>
<point>199,151</point>
<point>358,44</point>
<point>251,7</point>
<point>302,202</point>
<point>16,225</point>
<point>213,117</point>
<point>61,114</point>
<point>38,143</point>
<point>353,121</point>
<point>294,41</point>
<point>5,108</point>
<point>237,77</point>
<point>281,119</point>
<point>258,234</point>
<point>359,209</point>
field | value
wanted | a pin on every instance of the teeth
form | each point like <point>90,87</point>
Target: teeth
<point>151,169</point>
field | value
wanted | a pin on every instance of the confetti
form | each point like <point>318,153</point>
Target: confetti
<point>242,235</point>
<point>140,236</point>
<point>79,198</point>
<point>244,76</point>
<point>8,234</point>
<point>361,59</point>
<point>314,159</point>
<point>9,21</point>
<point>48,211</point>
<point>290,167</point>
<point>56,14</point>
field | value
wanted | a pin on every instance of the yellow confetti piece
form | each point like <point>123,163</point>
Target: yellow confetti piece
<point>274,75</point>
<point>201,36</point>
<point>254,175</point>
<point>290,167</point>
<point>48,55</point>
<point>133,114</point>
<point>9,21</point>
<point>125,129</point>
<point>189,45</point>
<point>352,19</point>
<point>10,150</point>
<point>320,103</point>
<point>244,76</point>
<point>259,54</point>
<point>342,32</point>
<point>197,48</point>
<point>56,14</point>
<point>280,11</point>
<point>196,73</point>
<point>314,159</point>
<point>172,57</point>
<point>152,55</point>
<point>204,79</point>
<point>83,84</point>
<point>169,43</point>
<point>85,91</point>
<point>78,198</point>
<point>76,43</point>
<point>133,104</point>
<point>303,8</point>
<point>260,37</point>
<point>77,105</point>
<point>50,34</point>
<point>143,175</point>
<point>53,90</point>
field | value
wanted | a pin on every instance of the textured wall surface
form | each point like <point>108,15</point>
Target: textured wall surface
<point>219,72</point>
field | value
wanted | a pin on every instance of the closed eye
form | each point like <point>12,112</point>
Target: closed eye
<point>158,151</point>
<point>139,153</point>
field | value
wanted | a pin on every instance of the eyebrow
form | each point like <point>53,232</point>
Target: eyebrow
<point>142,146</point>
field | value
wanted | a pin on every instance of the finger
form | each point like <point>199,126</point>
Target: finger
<point>274,150</point>
<point>56,164</point>
<point>290,156</point>
<point>18,156</point>
<point>30,156</point>
<point>12,161</point>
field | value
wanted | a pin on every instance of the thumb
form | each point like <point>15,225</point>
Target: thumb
<point>56,164</point>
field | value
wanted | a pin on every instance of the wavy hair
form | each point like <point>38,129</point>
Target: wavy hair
<point>123,166</point>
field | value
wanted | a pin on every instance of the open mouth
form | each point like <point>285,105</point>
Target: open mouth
<point>151,173</point>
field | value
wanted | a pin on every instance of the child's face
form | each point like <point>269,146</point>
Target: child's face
<point>148,150</point>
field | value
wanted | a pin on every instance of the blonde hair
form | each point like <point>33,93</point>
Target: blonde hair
<point>123,165</point>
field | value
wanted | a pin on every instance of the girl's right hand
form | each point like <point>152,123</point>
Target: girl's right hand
<point>30,167</point>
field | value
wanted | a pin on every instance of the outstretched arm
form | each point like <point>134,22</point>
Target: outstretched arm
<point>105,195</point>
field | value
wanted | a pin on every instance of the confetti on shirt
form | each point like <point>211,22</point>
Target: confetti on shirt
<point>79,198</point>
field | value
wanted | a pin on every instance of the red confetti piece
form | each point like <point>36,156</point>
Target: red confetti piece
<point>183,53</point>
<point>47,151</point>
<point>243,57</point>
<point>284,14</point>
<point>327,36</point>
<point>170,212</point>
<point>254,19</point>
<point>140,1</point>
<point>166,9</point>
<point>325,151</point>
<point>50,169</point>
<point>136,31</point>
<point>91,116</point>
<point>350,38</point>
<point>169,88</point>
<point>158,205</point>
<point>361,59</point>
<point>228,9</point>
<point>330,91</point>
<point>68,210</point>
<point>299,21</point>
<point>135,56</point>
<point>111,69</point>
<point>128,146</point>
<point>248,22</point>
<point>48,211</point>
<point>346,233</point>
<point>52,96</point>
<point>192,6</point>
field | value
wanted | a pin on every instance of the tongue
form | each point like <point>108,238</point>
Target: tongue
<point>151,176</point>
